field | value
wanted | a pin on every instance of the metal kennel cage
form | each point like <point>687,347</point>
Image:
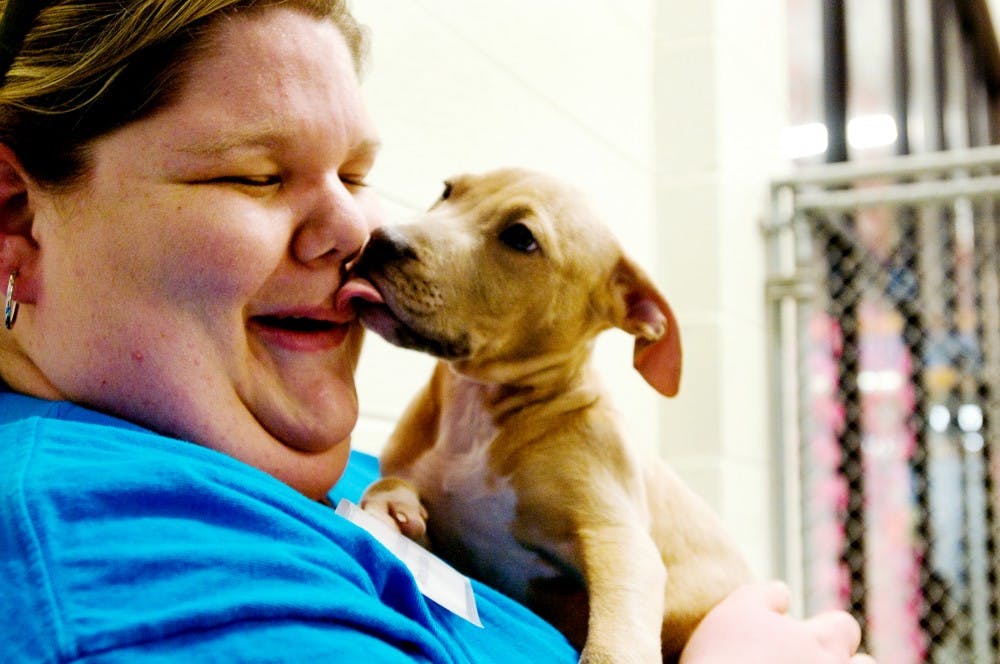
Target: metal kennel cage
<point>884,315</point>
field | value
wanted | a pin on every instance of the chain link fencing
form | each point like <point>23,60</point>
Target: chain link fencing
<point>884,315</point>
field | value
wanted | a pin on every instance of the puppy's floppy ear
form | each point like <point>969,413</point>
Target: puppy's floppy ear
<point>644,313</point>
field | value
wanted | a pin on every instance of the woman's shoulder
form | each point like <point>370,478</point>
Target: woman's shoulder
<point>115,539</point>
<point>68,467</point>
<point>39,421</point>
<point>107,468</point>
<point>114,536</point>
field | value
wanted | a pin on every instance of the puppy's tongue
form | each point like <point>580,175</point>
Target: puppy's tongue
<point>356,288</point>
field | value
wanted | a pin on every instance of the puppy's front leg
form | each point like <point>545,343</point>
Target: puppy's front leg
<point>396,503</point>
<point>394,499</point>
<point>625,580</point>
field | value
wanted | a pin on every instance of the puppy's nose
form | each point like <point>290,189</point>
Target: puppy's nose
<point>385,246</point>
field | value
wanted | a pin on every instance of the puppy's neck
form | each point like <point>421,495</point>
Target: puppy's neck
<point>511,388</point>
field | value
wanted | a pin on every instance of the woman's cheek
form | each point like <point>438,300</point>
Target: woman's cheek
<point>227,257</point>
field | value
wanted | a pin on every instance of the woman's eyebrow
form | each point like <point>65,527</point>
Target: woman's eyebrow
<point>263,140</point>
<point>233,140</point>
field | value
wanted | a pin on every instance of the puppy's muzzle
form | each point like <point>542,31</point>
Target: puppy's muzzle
<point>395,314</point>
<point>383,248</point>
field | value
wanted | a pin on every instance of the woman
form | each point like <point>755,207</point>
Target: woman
<point>182,183</point>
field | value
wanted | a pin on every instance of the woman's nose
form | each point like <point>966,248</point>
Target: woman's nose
<point>336,223</point>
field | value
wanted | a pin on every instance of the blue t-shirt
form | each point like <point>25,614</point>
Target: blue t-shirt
<point>118,544</point>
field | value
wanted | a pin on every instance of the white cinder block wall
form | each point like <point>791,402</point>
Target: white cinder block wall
<point>666,114</point>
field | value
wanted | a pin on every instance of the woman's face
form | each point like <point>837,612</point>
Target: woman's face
<point>189,282</point>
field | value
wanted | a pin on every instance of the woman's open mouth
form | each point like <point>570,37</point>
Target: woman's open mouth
<point>300,333</point>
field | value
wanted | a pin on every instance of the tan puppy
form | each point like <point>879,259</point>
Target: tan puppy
<point>513,447</point>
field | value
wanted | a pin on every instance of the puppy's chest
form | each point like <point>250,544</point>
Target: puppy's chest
<point>457,468</point>
<point>472,509</point>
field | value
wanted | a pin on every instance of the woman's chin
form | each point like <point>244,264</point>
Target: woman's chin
<point>309,453</point>
<point>317,431</point>
<point>313,475</point>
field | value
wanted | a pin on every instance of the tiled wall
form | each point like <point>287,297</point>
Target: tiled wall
<point>667,114</point>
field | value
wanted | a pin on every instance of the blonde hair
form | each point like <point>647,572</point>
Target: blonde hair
<point>87,67</point>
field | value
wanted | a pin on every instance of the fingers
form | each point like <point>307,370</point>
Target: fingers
<point>772,594</point>
<point>779,597</point>
<point>837,631</point>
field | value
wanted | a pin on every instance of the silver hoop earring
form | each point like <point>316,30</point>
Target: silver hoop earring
<point>10,305</point>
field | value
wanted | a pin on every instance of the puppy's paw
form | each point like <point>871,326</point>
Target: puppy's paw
<point>396,503</point>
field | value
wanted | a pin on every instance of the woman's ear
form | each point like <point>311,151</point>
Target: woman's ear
<point>646,315</point>
<point>18,250</point>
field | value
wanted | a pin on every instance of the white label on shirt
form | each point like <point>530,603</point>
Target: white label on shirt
<point>436,579</point>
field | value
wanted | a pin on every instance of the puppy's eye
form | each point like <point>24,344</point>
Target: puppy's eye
<point>519,238</point>
<point>447,191</point>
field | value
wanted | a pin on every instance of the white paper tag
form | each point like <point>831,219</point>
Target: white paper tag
<point>436,579</point>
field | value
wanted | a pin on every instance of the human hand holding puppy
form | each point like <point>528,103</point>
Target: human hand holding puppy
<point>751,626</point>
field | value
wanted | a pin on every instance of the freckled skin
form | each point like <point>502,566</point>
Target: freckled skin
<point>172,270</point>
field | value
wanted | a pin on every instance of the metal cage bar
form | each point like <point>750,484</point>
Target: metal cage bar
<point>883,307</point>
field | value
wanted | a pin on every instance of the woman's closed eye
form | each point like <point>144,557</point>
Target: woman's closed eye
<point>268,180</point>
<point>358,181</point>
